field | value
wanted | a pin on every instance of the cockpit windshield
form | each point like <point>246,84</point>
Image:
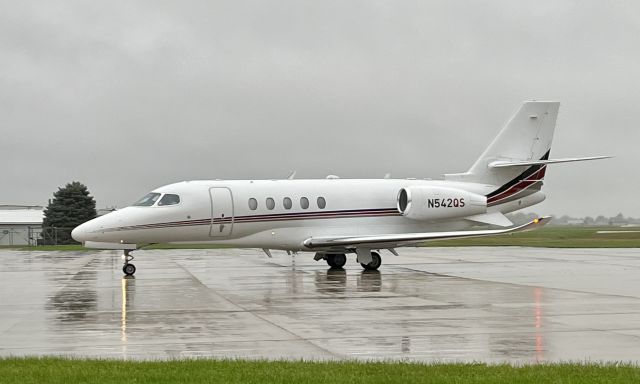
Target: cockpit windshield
<point>169,199</point>
<point>148,200</point>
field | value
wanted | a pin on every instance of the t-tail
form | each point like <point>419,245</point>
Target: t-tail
<point>516,160</point>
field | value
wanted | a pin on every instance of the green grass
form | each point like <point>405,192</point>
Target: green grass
<point>59,370</point>
<point>70,247</point>
<point>553,237</point>
<point>78,247</point>
<point>550,237</point>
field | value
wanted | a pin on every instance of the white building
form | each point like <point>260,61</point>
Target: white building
<point>20,224</point>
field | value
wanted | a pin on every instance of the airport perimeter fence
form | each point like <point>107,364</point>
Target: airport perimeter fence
<point>55,236</point>
<point>29,235</point>
<point>16,234</point>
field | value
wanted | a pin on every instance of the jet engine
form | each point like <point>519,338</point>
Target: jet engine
<point>435,203</point>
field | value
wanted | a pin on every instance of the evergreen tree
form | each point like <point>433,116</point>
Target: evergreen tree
<point>70,207</point>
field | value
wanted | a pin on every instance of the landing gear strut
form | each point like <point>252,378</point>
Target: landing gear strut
<point>336,260</point>
<point>128,268</point>
<point>376,262</point>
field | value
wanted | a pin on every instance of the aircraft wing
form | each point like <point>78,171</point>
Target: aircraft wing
<point>382,241</point>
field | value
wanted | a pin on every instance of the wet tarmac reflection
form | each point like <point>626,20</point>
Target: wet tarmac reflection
<point>128,284</point>
<point>482,304</point>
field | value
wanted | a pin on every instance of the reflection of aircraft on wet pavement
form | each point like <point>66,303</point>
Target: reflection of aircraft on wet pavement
<point>334,280</point>
<point>334,217</point>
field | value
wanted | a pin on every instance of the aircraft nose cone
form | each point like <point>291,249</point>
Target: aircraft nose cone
<point>80,233</point>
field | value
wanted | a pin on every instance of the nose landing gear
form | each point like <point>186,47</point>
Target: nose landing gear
<point>128,268</point>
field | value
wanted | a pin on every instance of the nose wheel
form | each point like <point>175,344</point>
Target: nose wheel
<point>128,268</point>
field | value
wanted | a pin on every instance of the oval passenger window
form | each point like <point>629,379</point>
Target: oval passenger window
<point>287,203</point>
<point>304,202</point>
<point>253,204</point>
<point>322,202</point>
<point>270,203</point>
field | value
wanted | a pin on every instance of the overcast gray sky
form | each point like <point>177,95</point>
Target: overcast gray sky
<point>125,96</point>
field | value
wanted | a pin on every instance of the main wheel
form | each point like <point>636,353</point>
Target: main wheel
<point>337,260</point>
<point>129,269</point>
<point>376,262</point>
<point>329,260</point>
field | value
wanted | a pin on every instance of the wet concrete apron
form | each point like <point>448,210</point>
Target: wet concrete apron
<point>434,304</point>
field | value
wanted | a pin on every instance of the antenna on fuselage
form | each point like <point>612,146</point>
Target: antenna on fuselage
<point>291,175</point>
<point>387,176</point>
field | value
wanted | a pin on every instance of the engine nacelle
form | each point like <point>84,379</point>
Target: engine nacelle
<point>435,203</point>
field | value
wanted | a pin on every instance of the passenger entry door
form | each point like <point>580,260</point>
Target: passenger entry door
<point>221,212</point>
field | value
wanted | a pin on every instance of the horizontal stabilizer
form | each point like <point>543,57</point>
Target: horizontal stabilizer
<point>371,242</point>
<point>100,245</point>
<point>508,163</point>
<point>494,218</point>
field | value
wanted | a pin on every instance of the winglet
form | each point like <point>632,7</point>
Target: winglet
<point>536,223</point>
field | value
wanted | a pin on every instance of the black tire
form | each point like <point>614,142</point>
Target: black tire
<point>129,269</point>
<point>339,260</point>
<point>375,263</point>
<point>336,260</point>
<point>329,258</point>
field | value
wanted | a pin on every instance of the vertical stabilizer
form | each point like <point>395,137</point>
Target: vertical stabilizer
<point>527,136</point>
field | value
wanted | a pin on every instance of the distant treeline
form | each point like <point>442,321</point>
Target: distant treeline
<point>618,220</point>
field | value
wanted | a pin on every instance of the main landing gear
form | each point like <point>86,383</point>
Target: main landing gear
<point>376,262</point>
<point>128,268</point>
<point>338,260</point>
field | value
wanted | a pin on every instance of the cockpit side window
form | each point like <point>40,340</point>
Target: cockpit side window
<point>169,199</point>
<point>148,200</point>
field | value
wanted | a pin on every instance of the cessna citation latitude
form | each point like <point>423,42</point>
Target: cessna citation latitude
<point>335,217</point>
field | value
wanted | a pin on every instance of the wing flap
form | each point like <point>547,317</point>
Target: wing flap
<point>412,238</point>
<point>494,218</point>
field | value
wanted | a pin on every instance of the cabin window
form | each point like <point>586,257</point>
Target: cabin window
<point>270,203</point>
<point>148,200</point>
<point>304,202</point>
<point>253,204</point>
<point>287,203</point>
<point>321,202</point>
<point>169,199</point>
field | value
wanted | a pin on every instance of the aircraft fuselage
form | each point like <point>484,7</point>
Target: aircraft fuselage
<point>286,213</point>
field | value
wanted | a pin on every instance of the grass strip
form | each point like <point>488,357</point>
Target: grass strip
<point>554,237</point>
<point>62,370</point>
<point>66,248</point>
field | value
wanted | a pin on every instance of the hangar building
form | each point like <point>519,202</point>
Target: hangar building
<point>20,224</point>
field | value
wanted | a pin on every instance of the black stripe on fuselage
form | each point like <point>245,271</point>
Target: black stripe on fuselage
<point>313,215</point>
<point>524,175</point>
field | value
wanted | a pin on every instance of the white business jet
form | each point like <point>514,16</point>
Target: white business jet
<point>334,217</point>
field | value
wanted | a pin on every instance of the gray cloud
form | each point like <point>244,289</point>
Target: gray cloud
<point>127,96</point>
